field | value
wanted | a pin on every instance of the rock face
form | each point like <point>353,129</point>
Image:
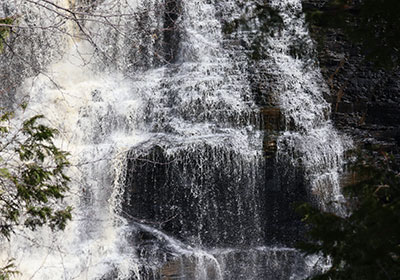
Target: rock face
<point>198,206</point>
<point>365,100</point>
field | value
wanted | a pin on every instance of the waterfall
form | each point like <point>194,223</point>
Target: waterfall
<point>159,113</point>
<point>310,140</point>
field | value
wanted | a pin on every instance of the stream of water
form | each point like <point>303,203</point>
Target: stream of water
<point>159,113</point>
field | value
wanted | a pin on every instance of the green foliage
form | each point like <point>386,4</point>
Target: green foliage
<point>32,179</point>
<point>5,31</point>
<point>365,244</point>
<point>8,270</point>
<point>32,176</point>
<point>373,24</point>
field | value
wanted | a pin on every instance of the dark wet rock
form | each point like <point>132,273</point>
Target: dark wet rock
<point>208,197</point>
<point>365,100</point>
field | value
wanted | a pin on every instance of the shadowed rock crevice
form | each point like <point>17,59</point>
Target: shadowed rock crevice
<point>171,33</point>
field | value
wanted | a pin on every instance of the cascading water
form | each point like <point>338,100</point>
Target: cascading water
<point>310,140</point>
<point>159,115</point>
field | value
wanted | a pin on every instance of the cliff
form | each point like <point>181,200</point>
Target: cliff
<point>365,99</point>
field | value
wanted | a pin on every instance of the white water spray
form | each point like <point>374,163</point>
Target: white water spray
<point>123,99</point>
<point>311,137</point>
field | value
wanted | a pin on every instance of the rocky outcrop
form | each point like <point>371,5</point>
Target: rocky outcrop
<point>365,100</point>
